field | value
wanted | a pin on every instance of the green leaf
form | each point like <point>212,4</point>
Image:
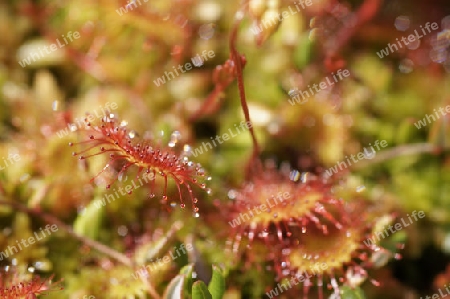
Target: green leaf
<point>187,271</point>
<point>175,289</point>
<point>88,223</point>
<point>217,284</point>
<point>303,53</point>
<point>199,291</point>
<point>349,293</point>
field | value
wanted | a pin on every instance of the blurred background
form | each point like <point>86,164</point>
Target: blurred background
<point>62,61</point>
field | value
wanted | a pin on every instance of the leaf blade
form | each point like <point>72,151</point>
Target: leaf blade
<point>217,284</point>
<point>200,291</point>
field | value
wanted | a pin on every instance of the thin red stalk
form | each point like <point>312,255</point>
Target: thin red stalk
<point>239,74</point>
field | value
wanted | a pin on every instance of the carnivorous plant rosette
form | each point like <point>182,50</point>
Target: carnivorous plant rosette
<point>307,231</point>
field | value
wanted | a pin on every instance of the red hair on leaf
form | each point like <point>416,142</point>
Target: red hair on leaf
<point>113,138</point>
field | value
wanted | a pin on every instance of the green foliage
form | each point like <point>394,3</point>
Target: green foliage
<point>182,287</point>
<point>355,293</point>
<point>88,223</point>
<point>217,285</point>
<point>200,291</point>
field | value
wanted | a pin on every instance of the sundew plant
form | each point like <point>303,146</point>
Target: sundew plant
<point>174,149</point>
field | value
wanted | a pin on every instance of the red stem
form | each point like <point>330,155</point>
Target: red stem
<point>239,74</point>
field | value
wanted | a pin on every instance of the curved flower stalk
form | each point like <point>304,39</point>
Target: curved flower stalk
<point>113,138</point>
